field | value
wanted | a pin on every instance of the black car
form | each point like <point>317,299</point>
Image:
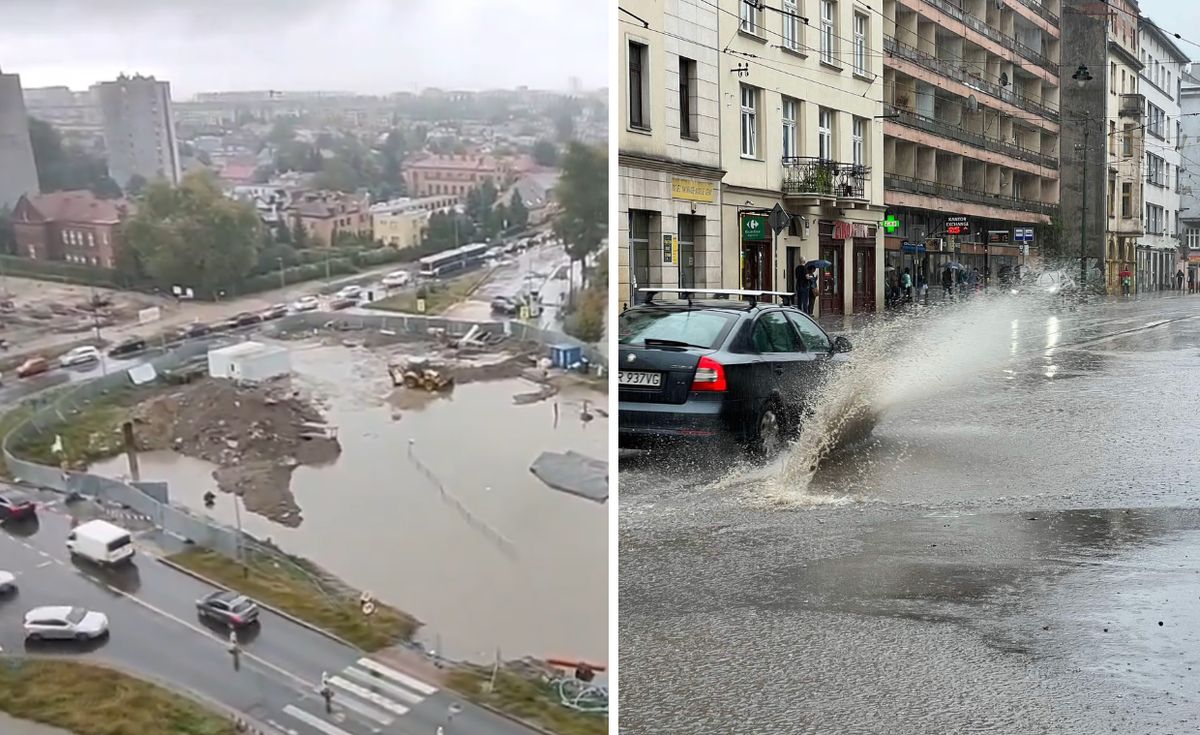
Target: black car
<point>278,311</point>
<point>128,347</point>
<point>195,329</point>
<point>504,305</point>
<point>229,608</point>
<point>247,318</point>
<point>719,369</point>
<point>342,303</point>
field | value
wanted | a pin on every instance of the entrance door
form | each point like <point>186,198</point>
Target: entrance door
<point>831,278</point>
<point>864,278</point>
<point>756,266</point>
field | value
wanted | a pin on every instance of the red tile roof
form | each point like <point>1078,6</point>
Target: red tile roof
<point>78,206</point>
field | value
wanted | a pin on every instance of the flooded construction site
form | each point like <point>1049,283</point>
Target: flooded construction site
<point>404,468</point>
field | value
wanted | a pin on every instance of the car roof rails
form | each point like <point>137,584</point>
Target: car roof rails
<point>752,297</point>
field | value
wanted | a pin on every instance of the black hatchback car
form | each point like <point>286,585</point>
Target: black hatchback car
<point>229,608</point>
<point>719,369</point>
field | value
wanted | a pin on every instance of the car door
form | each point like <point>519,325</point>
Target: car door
<point>51,628</point>
<point>783,365</point>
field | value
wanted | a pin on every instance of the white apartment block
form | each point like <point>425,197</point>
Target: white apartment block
<point>800,99</point>
<point>669,146</point>
<point>1161,83</point>
<point>139,129</point>
<point>18,173</point>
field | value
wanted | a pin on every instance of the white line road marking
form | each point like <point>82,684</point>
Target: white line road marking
<point>313,721</point>
<point>379,683</point>
<point>370,713</point>
<point>281,728</point>
<point>368,695</point>
<point>46,563</point>
<point>405,679</point>
<point>43,553</point>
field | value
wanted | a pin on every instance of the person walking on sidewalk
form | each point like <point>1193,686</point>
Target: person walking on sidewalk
<point>947,283</point>
<point>806,281</point>
<point>906,285</point>
<point>1179,279</point>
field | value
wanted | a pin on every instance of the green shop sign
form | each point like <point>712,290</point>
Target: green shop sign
<point>754,227</point>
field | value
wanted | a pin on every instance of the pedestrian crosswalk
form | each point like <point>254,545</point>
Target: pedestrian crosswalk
<point>364,693</point>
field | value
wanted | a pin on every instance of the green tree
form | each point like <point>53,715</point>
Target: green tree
<point>300,239</point>
<point>8,238</point>
<point>63,168</point>
<point>545,153</point>
<point>339,175</point>
<point>283,131</point>
<point>518,214</point>
<point>582,193</point>
<point>106,188</point>
<point>136,185</point>
<point>193,235</point>
<point>564,125</point>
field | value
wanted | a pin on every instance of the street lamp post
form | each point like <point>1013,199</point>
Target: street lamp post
<point>1082,76</point>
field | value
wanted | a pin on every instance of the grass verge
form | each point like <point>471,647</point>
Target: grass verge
<point>93,700</point>
<point>92,433</point>
<point>294,591</point>
<point>439,296</point>
<point>526,699</point>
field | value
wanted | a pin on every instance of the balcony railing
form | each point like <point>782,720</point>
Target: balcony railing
<point>1041,10</point>
<point>955,72</point>
<point>1133,105</point>
<point>995,34</point>
<point>806,176</point>
<point>956,132</point>
<point>897,182</point>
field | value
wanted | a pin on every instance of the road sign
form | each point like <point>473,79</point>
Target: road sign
<point>779,219</point>
<point>754,227</point>
<point>145,316</point>
<point>420,306</point>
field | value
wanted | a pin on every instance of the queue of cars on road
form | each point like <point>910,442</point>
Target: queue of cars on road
<point>105,544</point>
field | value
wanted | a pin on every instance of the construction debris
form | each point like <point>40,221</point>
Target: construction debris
<point>421,375</point>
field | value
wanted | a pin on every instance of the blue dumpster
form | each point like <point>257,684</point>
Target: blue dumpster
<point>564,356</point>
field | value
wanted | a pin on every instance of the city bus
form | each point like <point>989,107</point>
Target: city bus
<point>463,258</point>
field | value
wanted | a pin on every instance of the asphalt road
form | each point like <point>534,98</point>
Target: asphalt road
<point>1011,549</point>
<point>156,633</point>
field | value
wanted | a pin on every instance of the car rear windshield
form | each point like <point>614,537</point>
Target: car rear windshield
<point>692,327</point>
<point>241,605</point>
<point>118,543</point>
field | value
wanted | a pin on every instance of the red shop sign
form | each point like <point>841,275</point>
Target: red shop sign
<point>842,230</point>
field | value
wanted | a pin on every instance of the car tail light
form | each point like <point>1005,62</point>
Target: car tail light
<point>235,620</point>
<point>710,375</point>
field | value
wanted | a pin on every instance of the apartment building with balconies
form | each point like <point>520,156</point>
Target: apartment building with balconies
<point>800,87</point>
<point>669,151</point>
<point>971,132</point>
<point>1104,138</point>
<point>1161,78</point>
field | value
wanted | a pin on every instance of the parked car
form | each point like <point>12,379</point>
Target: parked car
<point>349,292</point>
<point>247,318</point>
<point>8,582</point>
<point>33,366</point>
<point>396,279</point>
<point>224,325</point>
<point>16,510</point>
<point>62,621</point>
<point>100,542</point>
<point>128,347</point>
<point>504,305</point>
<point>80,356</point>
<point>306,303</point>
<point>195,329</point>
<point>230,608</point>
<point>342,302</point>
<point>274,312</point>
<point>720,369</point>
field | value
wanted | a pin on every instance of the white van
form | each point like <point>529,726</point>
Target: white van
<point>100,542</point>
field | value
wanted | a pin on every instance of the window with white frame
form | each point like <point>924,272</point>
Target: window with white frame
<point>749,121</point>
<point>858,134</point>
<point>789,127</point>
<point>1154,170</point>
<point>860,44</point>
<point>1193,238</point>
<point>828,31</point>
<point>639,110</point>
<point>750,15</point>
<point>791,25</point>
<point>825,134</point>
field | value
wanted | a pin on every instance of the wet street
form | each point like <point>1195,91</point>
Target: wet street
<point>1012,549</point>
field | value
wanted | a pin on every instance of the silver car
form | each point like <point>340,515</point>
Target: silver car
<point>64,622</point>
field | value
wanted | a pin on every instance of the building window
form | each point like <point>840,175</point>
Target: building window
<point>691,232</point>
<point>1112,138</point>
<point>1112,77</point>
<point>789,127</point>
<point>825,134</point>
<point>1126,200</point>
<point>749,121</point>
<point>638,117</point>
<point>1127,146</point>
<point>639,244</point>
<point>687,98</point>
<point>748,13</point>
<point>1154,170</point>
<point>1156,125</point>
<point>859,138</point>
<point>860,44</point>
<point>791,25</point>
<point>828,31</point>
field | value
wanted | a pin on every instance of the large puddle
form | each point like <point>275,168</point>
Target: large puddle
<point>436,512</point>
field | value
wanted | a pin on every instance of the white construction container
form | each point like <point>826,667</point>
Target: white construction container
<point>249,361</point>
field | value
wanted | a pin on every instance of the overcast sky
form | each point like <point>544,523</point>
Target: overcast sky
<point>1177,16</point>
<point>370,46</point>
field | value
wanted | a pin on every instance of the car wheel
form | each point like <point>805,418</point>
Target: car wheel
<point>81,636</point>
<point>35,636</point>
<point>769,431</point>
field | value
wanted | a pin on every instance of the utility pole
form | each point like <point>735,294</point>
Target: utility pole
<point>1082,76</point>
<point>282,277</point>
<point>241,554</point>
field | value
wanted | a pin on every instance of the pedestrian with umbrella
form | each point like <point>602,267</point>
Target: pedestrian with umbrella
<point>1126,281</point>
<point>814,286</point>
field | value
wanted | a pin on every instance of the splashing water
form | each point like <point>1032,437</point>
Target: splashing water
<point>896,360</point>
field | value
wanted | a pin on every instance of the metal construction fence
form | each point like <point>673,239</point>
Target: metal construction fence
<point>54,409</point>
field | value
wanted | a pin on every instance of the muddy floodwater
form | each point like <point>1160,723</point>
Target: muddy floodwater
<point>451,527</point>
